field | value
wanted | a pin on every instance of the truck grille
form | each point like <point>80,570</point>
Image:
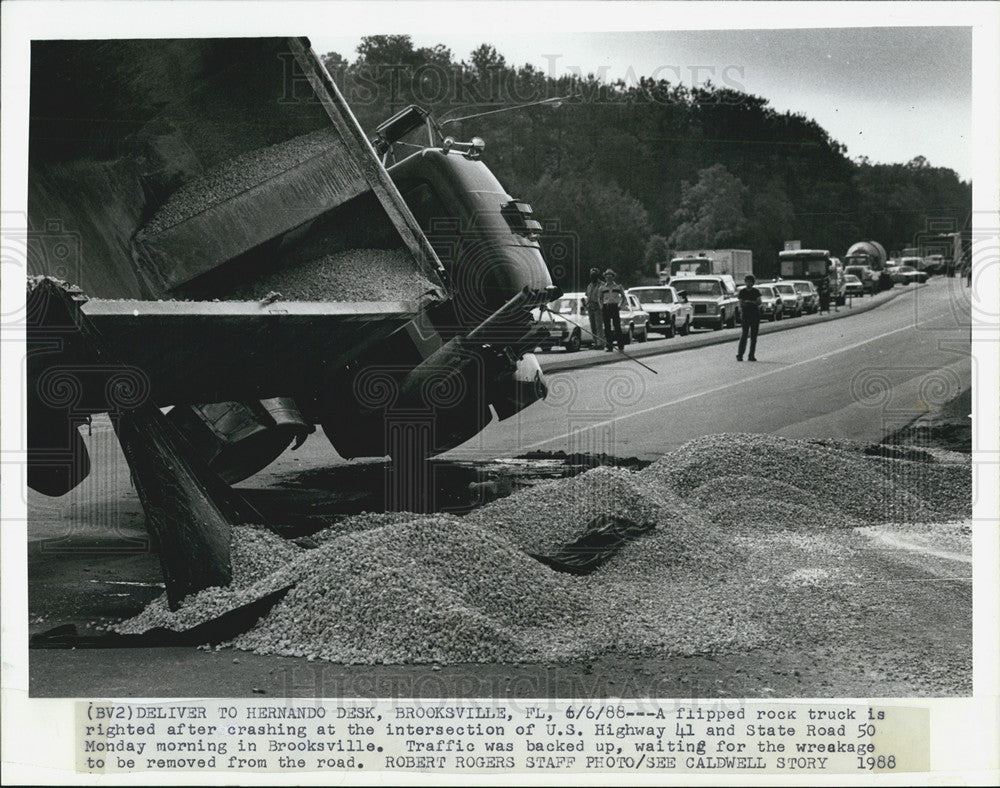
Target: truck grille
<point>700,309</point>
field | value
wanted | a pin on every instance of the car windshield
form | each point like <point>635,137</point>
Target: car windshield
<point>709,287</point>
<point>904,269</point>
<point>852,279</point>
<point>766,292</point>
<point>564,306</point>
<point>803,287</point>
<point>659,296</point>
<point>785,289</point>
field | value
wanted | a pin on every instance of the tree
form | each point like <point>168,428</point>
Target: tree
<point>484,58</point>
<point>394,50</point>
<point>596,224</point>
<point>711,211</point>
<point>657,251</point>
<point>334,62</point>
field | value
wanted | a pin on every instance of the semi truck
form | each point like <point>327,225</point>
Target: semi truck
<point>866,260</point>
<point>209,230</point>
<point>736,263</point>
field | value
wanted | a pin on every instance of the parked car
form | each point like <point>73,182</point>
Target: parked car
<point>635,320</point>
<point>669,311</point>
<point>809,293</point>
<point>791,300</point>
<point>855,287</point>
<point>869,277</point>
<point>933,264</point>
<point>713,298</point>
<point>905,274</point>
<point>916,263</point>
<point>566,322</point>
<point>770,302</point>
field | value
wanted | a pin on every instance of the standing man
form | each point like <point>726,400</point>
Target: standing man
<point>594,308</point>
<point>612,296</point>
<point>750,311</point>
<point>833,274</point>
<point>823,285</point>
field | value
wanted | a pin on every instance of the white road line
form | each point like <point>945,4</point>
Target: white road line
<point>725,386</point>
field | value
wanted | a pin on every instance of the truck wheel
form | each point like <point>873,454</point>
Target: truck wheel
<point>630,335</point>
<point>644,335</point>
<point>671,329</point>
<point>686,328</point>
<point>731,322</point>
<point>574,342</point>
<point>721,324</point>
<point>773,316</point>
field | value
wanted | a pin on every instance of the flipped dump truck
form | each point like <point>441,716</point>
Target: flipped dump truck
<point>210,231</point>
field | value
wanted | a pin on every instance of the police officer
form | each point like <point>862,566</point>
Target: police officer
<point>612,296</point>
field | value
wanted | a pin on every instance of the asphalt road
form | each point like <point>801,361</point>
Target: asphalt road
<point>855,378</point>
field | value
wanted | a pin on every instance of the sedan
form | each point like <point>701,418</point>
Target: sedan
<point>904,274</point>
<point>855,287</point>
<point>669,311</point>
<point>809,293</point>
<point>565,321</point>
<point>635,320</point>
<point>791,300</point>
<point>770,302</point>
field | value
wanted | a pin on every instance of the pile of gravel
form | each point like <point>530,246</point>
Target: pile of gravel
<point>348,275</point>
<point>432,590</point>
<point>752,546</point>
<point>237,175</point>
<point>262,562</point>
<point>540,519</point>
<point>872,489</point>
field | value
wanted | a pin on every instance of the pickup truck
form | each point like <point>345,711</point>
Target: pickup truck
<point>713,298</point>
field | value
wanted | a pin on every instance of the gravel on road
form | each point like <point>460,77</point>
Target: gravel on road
<point>758,542</point>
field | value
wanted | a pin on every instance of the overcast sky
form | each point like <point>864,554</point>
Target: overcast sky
<point>886,93</point>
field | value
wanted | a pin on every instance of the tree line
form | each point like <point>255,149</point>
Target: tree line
<point>624,173</point>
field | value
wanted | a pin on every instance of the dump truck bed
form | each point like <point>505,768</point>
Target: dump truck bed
<point>156,163</point>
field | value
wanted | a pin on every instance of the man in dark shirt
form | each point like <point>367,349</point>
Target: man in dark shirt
<point>750,311</point>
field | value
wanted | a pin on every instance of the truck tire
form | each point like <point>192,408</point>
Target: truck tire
<point>686,328</point>
<point>731,322</point>
<point>630,334</point>
<point>671,328</point>
<point>574,342</point>
<point>721,324</point>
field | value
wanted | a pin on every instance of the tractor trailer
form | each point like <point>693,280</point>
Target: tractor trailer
<point>736,263</point>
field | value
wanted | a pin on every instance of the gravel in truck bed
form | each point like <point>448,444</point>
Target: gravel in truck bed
<point>755,543</point>
<point>348,275</point>
<point>237,175</point>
